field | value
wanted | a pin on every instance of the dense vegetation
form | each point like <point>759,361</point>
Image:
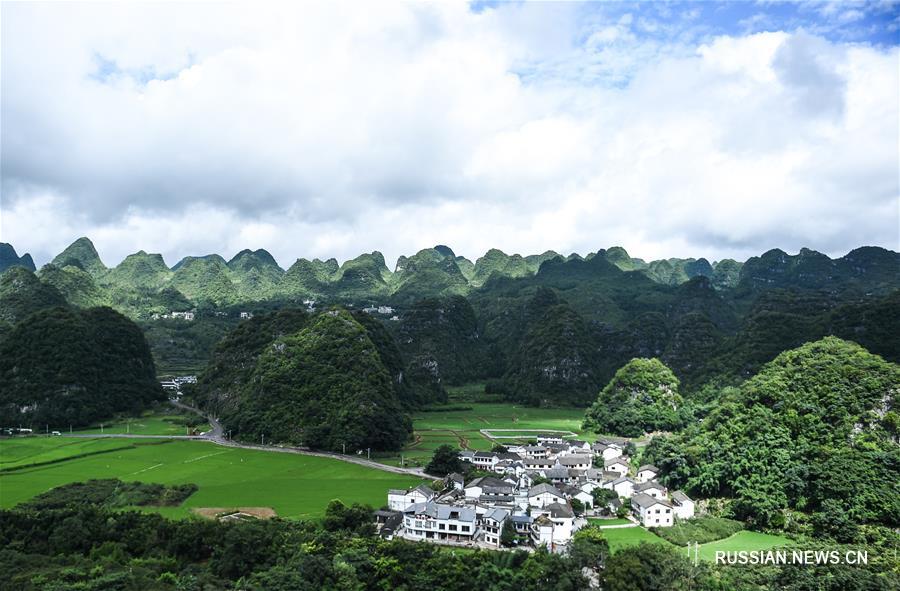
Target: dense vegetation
<point>815,431</point>
<point>324,386</point>
<point>137,551</point>
<point>111,492</point>
<point>699,530</point>
<point>62,367</point>
<point>642,397</point>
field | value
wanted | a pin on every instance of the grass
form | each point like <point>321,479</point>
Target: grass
<point>607,522</point>
<point>294,486</point>
<point>743,540</point>
<point>624,537</point>
<point>148,425</point>
<point>461,428</point>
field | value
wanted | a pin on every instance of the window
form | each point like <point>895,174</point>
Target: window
<point>464,528</point>
<point>452,527</point>
<point>442,526</point>
<point>418,523</point>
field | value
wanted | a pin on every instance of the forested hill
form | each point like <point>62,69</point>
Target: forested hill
<point>325,380</point>
<point>544,329</point>
<point>143,284</point>
<point>63,367</point>
<point>816,430</point>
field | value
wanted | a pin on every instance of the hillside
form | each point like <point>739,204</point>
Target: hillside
<point>324,386</point>
<point>62,367</point>
<point>10,258</point>
<point>815,430</point>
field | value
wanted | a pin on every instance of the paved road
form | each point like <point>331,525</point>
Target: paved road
<point>216,435</point>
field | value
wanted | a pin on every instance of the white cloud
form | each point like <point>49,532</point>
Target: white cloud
<point>329,130</point>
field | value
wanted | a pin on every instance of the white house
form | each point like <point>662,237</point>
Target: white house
<point>398,500</point>
<point>647,472</point>
<point>542,531</point>
<point>608,449</point>
<point>431,521</point>
<point>545,438</point>
<point>485,460</point>
<point>619,465</point>
<point>539,463</point>
<point>563,520</point>
<point>624,486</point>
<point>544,494</point>
<point>536,451</point>
<point>653,489</point>
<point>683,505</point>
<point>457,481</point>
<point>492,526</point>
<point>651,512</point>
<point>575,461</point>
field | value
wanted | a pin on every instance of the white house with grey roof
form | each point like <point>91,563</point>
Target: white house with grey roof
<point>683,505</point>
<point>492,526</point>
<point>432,521</point>
<point>647,472</point>
<point>619,465</point>
<point>398,500</point>
<point>652,488</point>
<point>544,494</point>
<point>652,512</point>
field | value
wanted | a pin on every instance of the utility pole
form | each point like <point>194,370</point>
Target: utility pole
<point>101,428</point>
<point>70,428</point>
<point>263,438</point>
<point>368,453</point>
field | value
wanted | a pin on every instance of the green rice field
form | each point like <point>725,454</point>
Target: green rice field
<point>149,425</point>
<point>293,485</point>
<point>461,424</point>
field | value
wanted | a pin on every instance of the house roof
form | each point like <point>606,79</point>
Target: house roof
<point>456,477</point>
<point>552,473</point>
<point>649,467</point>
<point>622,479</point>
<point>543,520</point>
<point>490,482</point>
<point>485,454</point>
<point>521,518</point>
<point>509,456</point>
<point>497,514</point>
<point>544,488</point>
<point>559,511</point>
<point>396,491</point>
<point>679,497</point>
<point>466,453</point>
<point>426,492</point>
<point>574,460</point>
<point>437,511</point>
<point>619,460</point>
<point>643,500</point>
<point>648,485</point>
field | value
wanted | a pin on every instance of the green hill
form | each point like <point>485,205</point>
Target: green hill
<point>205,280</point>
<point>9,258</point>
<point>62,367</point>
<point>324,386</point>
<point>815,430</point>
<point>83,255</point>
<point>77,286</point>
<point>22,293</point>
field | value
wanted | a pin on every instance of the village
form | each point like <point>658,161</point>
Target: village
<point>541,495</point>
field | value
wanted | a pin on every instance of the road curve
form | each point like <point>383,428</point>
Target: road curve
<point>216,435</point>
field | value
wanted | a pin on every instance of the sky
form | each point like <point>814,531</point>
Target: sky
<point>336,128</point>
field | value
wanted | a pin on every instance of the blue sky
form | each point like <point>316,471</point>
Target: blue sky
<point>323,129</point>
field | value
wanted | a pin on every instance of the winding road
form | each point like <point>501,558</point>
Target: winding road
<point>217,435</point>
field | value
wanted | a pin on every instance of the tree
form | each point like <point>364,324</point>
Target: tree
<point>602,498</point>
<point>589,548</point>
<point>646,567</point>
<point>445,460</point>
<point>499,448</point>
<point>642,396</point>
<point>577,507</point>
<point>508,534</point>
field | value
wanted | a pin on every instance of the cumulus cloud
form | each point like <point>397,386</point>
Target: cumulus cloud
<point>332,129</point>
